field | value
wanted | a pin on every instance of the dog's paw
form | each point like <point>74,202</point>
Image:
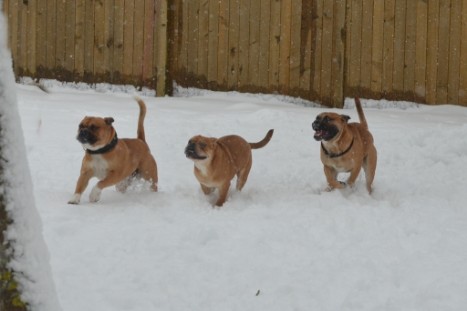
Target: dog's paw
<point>95,194</point>
<point>75,199</point>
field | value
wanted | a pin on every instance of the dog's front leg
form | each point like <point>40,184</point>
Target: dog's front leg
<point>111,179</point>
<point>81,185</point>
<point>206,190</point>
<point>223,190</point>
<point>331,177</point>
<point>353,175</point>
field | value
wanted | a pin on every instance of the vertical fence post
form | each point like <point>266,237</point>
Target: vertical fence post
<point>338,53</point>
<point>161,62</point>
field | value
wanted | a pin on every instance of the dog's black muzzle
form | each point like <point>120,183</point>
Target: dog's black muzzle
<point>190,152</point>
<point>85,136</point>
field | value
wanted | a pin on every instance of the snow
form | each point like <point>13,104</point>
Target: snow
<point>280,244</point>
<point>30,258</point>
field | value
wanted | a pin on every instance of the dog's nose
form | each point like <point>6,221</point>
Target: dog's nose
<point>315,125</point>
<point>190,148</point>
<point>84,133</point>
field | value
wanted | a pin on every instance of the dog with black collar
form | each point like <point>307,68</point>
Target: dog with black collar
<point>345,147</point>
<point>112,160</point>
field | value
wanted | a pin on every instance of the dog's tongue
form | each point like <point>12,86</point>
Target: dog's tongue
<point>318,134</point>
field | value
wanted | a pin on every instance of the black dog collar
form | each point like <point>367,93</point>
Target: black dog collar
<point>106,148</point>
<point>336,155</point>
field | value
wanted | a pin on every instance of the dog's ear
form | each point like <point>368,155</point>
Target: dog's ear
<point>345,118</point>
<point>109,121</point>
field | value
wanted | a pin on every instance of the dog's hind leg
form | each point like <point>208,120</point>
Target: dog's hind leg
<point>242,175</point>
<point>369,167</point>
<point>148,171</point>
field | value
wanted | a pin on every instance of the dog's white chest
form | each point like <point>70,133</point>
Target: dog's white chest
<point>99,166</point>
<point>202,167</point>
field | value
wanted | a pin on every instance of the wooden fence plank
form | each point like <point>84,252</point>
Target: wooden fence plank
<point>338,54</point>
<point>70,37</point>
<point>388,49</point>
<point>234,30</point>
<point>23,34</point>
<point>443,52</point>
<point>138,42</point>
<point>149,47</point>
<point>317,48</point>
<point>41,35</point>
<point>432,51</point>
<point>295,47</point>
<point>284,46</point>
<point>306,48</point>
<point>409,50</point>
<point>32,38</point>
<point>161,61</point>
<point>184,37</point>
<point>243,43</point>
<point>99,41</point>
<point>327,57</point>
<point>399,45</point>
<point>193,35</point>
<point>355,44</point>
<point>265,25</point>
<point>274,47</point>
<point>51,34</point>
<point>377,50</point>
<point>203,39</point>
<point>213,41</point>
<point>420,48</point>
<point>254,43</point>
<point>463,58</point>
<point>6,9</point>
<point>89,43</point>
<point>128,37</point>
<point>454,52</point>
<point>367,44</point>
<point>109,40</point>
<point>79,39</point>
<point>60,34</point>
<point>118,39</point>
<point>223,50</point>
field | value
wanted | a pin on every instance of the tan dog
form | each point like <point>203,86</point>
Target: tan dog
<point>218,160</point>
<point>113,161</point>
<point>345,147</point>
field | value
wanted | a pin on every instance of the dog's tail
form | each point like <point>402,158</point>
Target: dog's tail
<point>142,114</point>
<point>263,142</point>
<point>361,116</point>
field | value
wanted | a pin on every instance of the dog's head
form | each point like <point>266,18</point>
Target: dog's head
<point>200,148</point>
<point>327,125</point>
<point>95,132</point>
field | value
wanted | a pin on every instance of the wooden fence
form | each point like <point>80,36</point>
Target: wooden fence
<point>320,50</point>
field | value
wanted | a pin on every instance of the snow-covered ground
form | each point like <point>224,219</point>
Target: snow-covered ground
<point>282,243</point>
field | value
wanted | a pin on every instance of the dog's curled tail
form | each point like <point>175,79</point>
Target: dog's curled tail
<point>263,142</point>
<point>361,116</point>
<point>142,114</point>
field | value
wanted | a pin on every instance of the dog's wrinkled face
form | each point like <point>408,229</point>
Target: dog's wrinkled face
<point>95,131</point>
<point>328,125</point>
<point>200,148</point>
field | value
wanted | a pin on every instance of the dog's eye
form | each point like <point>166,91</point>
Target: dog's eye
<point>202,145</point>
<point>326,119</point>
<point>93,127</point>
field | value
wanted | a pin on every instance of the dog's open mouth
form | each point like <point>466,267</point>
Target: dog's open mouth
<point>320,134</point>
